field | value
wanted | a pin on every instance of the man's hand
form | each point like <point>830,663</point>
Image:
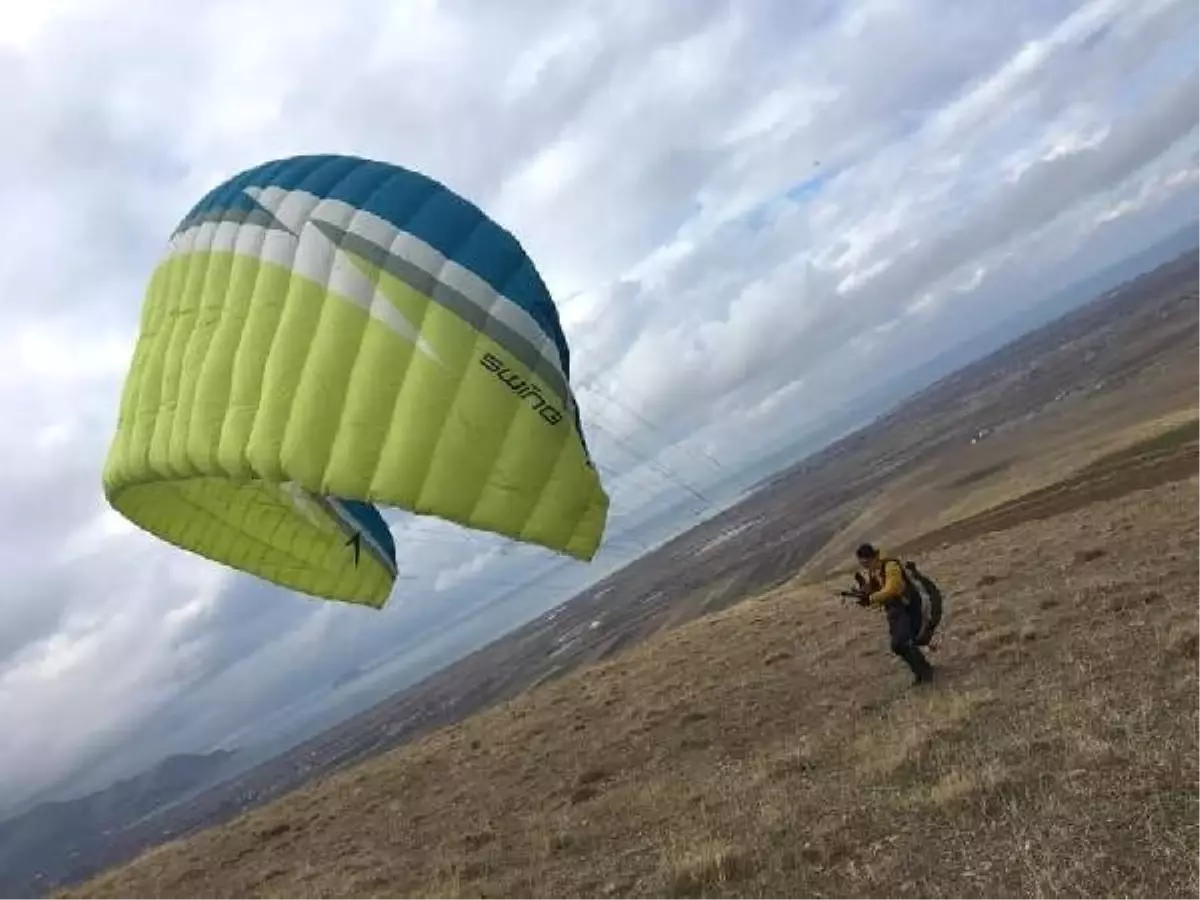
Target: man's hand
<point>861,592</point>
<point>860,597</point>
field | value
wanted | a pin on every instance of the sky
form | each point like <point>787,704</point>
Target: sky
<point>742,209</point>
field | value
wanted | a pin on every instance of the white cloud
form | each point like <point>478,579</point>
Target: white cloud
<point>721,244</point>
<point>448,578</point>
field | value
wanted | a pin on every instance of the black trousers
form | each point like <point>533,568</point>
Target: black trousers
<point>904,624</point>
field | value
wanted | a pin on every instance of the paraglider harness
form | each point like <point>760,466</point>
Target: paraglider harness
<point>919,588</point>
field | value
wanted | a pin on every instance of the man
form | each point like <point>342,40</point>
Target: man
<point>884,584</point>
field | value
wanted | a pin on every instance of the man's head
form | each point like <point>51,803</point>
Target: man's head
<point>868,556</point>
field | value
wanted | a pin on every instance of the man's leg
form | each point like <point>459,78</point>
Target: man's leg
<point>902,633</point>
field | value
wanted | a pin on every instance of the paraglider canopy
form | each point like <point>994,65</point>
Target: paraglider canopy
<point>327,333</point>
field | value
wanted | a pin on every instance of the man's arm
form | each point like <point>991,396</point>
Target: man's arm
<point>893,584</point>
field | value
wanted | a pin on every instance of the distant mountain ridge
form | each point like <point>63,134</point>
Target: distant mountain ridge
<point>57,840</point>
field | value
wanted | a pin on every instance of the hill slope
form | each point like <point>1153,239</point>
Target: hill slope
<point>775,748</point>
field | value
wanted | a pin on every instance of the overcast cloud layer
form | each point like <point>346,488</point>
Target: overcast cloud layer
<point>734,202</point>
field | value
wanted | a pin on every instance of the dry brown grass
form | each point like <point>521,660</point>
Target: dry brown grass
<point>776,749</point>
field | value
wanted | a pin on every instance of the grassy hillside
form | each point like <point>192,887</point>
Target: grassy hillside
<point>775,748</point>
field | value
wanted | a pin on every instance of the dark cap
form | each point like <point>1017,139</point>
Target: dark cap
<point>866,551</point>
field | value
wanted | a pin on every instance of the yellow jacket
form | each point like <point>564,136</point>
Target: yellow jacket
<point>888,584</point>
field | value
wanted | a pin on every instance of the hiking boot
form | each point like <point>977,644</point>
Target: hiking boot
<point>925,676</point>
<point>921,669</point>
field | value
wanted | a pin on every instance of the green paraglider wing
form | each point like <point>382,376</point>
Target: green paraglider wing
<point>326,333</point>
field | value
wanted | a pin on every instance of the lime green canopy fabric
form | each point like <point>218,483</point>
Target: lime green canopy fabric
<point>326,333</point>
